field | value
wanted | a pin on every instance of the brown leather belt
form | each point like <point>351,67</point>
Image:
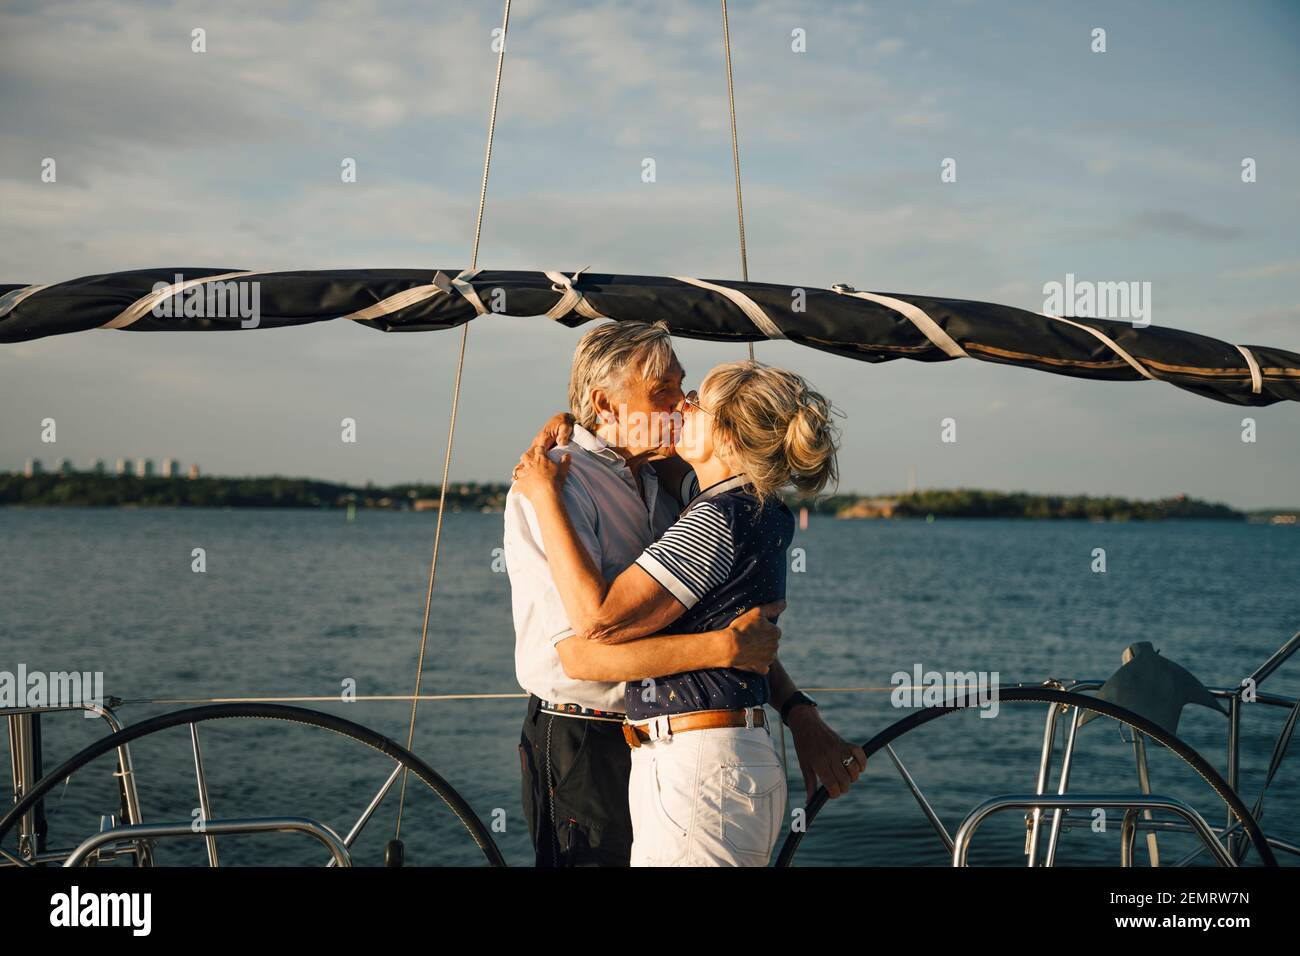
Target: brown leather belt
<point>700,720</point>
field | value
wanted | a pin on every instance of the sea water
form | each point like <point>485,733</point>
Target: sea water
<point>304,603</point>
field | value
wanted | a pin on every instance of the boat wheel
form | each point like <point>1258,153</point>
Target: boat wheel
<point>142,834</point>
<point>1039,831</point>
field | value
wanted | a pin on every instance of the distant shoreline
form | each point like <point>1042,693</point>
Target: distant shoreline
<point>83,489</point>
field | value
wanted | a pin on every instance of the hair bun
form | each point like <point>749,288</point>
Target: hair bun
<point>811,443</point>
<point>772,426</point>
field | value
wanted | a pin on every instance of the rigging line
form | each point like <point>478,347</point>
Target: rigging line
<point>455,405</point>
<point>321,698</point>
<point>504,695</point>
<point>735,154</point>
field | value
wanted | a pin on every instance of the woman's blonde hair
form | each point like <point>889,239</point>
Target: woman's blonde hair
<point>772,426</point>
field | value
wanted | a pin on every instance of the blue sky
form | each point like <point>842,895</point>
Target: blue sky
<point>1115,166</point>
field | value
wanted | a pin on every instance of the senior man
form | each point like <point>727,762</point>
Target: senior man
<point>625,385</point>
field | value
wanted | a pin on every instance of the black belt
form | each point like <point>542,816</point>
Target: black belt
<point>575,710</point>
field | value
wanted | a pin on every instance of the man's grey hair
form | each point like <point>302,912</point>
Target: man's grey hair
<point>611,355</point>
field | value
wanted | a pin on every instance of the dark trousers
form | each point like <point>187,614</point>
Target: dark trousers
<point>575,776</point>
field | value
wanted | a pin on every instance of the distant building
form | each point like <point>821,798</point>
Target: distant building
<point>171,468</point>
<point>32,468</point>
<point>123,466</point>
<point>194,470</point>
<point>65,466</point>
<point>97,466</point>
<point>144,468</point>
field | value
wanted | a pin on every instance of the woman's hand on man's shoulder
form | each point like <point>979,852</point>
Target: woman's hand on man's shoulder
<point>558,430</point>
<point>536,476</point>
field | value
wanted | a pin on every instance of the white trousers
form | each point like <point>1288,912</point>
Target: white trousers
<point>707,798</point>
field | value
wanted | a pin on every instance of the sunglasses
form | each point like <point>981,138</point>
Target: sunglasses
<point>693,399</point>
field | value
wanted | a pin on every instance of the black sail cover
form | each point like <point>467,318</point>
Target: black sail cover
<point>868,326</point>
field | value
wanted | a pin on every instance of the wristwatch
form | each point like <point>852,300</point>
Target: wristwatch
<point>793,701</point>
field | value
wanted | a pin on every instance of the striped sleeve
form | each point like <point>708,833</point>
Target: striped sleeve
<point>694,556</point>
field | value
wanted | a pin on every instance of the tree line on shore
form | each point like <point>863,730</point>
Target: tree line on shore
<point>89,490</point>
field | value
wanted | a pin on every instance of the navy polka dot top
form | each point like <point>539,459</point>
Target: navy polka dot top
<point>725,555</point>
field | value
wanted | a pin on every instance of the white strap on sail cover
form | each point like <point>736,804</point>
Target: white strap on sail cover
<point>141,307</point>
<point>924,324</point>
<point>571,299</point>
<point>1256,378</point>
<point>1110,343</point>
<point>442,284</point>
<point>460,283</point>
<point>747,305</point>
<point>10,300</point>
<point>395,303</point>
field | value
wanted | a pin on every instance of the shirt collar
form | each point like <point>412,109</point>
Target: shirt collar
<point>589,441</point>
<point>593,443</point>
<point>720,487</point>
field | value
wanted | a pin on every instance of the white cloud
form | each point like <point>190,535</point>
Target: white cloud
<point>232,159</point>
<point>919,119</point>
<point>1265,270</point>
